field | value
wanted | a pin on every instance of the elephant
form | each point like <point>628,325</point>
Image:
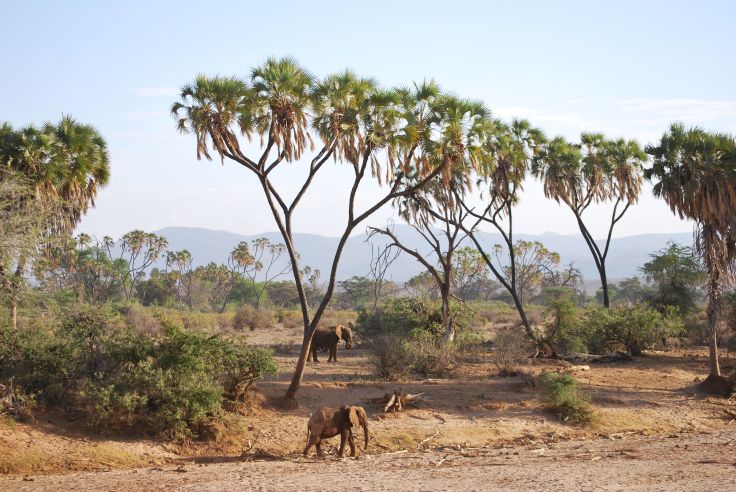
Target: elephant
<point>327,338</point>
<point>329,421</point>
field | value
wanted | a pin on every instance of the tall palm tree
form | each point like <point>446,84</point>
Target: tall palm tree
<point>359,124</point>
<point>67,161</point>
<point>65,164</point>
<point>694,171</point>
<point>596,170</point>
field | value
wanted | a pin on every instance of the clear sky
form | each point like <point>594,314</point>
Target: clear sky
<point>627,68</point>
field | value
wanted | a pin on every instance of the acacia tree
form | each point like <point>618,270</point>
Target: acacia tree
<point>595,171</point>
<point>533,263</point>
<point>677,272</point>
<point>22,223</point>
<point>79,263</point>
<point>694,171</point>
<point>422,285</point>
<point>358,124</point>
<point>442,243</point>
<point>469,272</point>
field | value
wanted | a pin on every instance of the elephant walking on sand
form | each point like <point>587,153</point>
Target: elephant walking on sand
<point>328,422</point>
<point>327,338</point>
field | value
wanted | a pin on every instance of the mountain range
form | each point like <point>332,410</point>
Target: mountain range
<point>625,257</point>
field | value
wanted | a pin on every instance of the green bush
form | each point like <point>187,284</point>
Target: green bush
<point>562,396</point>
<point>640,327</point>
<point>633,329</point>
<point>561,329</point>
<point>168,383</point>
<point>404,316</point>
<point>242,366</point>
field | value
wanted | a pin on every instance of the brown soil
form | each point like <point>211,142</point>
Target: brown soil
<point>478,430</point>
<point>694,461</point>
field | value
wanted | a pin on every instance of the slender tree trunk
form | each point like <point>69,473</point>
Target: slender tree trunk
<point>712,313</point>
<point>310,327</point>
<point>604,285</point>
<point>299,370</point>
<point>447,317</point>
<point>524,320</point>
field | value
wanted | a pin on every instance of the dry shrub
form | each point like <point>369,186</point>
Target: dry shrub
<point>390,358</point>
<point>430,358</point>
<point>338,317</point>
<point>535,317</point>
<point>395,357</point>
<point>249,317</point>
<point>290,318</point>
<point>510,351</point>
<point>142,320</point>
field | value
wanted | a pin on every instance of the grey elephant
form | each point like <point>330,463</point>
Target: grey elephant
<point>327,338</point>
<point>328,422</point>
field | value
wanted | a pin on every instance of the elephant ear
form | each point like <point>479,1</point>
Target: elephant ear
<point>354,416</point>
<point>338,331</point>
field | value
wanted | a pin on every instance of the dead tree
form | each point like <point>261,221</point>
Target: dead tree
<point>382,257</point>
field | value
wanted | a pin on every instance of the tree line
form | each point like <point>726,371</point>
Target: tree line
<point>445,163</point>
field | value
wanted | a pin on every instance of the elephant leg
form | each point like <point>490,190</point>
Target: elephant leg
<point>314,355</point>
<point>318,445</point>
<point>343,438</point>
<point>352,444</point>
<point>311,442</point>
<point>333,354</point>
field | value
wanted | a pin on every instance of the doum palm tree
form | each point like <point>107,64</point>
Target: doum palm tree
<point>65,164</point>
<point>344,118</point>
<point>694,171</point>
<point>595,171</point>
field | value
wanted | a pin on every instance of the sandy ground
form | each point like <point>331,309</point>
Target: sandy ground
<point>701,461</point>
<point>476,431</point>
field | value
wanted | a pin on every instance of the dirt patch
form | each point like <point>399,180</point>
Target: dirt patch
<point>475,415</point>
<point>700,461</point>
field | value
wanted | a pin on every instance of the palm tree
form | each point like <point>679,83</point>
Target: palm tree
<point>65,164</point>
<point>695,172</point>
<point>359,125</point>
<point>597,170</point>
<point>460,126</point>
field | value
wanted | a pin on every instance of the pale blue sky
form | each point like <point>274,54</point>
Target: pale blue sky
<point>624,68</point>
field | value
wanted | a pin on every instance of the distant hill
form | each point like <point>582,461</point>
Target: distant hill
<point>626,255</point>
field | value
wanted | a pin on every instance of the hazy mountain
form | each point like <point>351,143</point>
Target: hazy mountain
<point>626,255</point>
